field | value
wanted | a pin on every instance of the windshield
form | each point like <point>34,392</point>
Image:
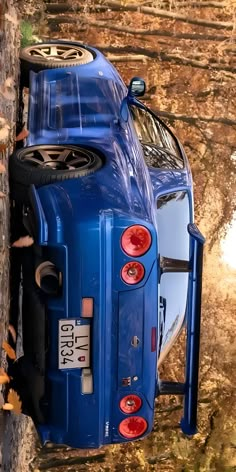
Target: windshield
<point>173,217</point>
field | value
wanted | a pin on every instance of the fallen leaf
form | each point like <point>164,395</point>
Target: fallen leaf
<point>22,135</point>
<point>2,401</point>
<point>3,376</point>
<point>3,147</point>
<point>4,132</point>
<point>12,331</point>
<point>7,406</point>
<point>14,399</point>
<point>2,168</point>
<point>9,350</point>
<point>24,241</point>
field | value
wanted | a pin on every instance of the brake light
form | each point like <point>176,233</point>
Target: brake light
<point>133,427</point>
<point>130,404</point>
<point>132,272</point>
<point>136,240</point>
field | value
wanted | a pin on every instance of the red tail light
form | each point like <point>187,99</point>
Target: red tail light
<point>133,427</point>
<point>130,404</point>
<point>136,240</point>
<point>132,272</point>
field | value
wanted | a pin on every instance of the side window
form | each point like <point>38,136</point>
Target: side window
<point>173,217</point>
<point>159,146</point>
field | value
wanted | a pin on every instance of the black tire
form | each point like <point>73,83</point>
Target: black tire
<point>40,56</point>
<point>45,164</point>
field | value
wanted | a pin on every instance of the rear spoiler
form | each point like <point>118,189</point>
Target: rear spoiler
<point>190,387</point>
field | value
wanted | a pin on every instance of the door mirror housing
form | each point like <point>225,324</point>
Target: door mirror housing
<point>137,87</point>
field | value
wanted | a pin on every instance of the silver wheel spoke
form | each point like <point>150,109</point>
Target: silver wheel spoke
<point>70,53</point>
<point>78,161</point>
<point>63,155</point>
<point>33,159</point>
<point>53,51</point>
<point>38,52</point>
<point>45,155</point>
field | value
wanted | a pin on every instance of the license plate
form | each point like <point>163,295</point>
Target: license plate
<point>74,345</point>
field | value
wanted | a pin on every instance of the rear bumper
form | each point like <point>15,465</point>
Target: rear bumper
<point>120,313</point>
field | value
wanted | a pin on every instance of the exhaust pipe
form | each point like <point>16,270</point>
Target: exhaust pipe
<point>48,278</point>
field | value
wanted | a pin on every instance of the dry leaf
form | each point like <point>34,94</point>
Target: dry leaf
<point>3,147</point>
<point>22,135</point>
<point>24,241</point>
<point>14,399</point>
<point>4,133</point>
<point>9,350</point>
<point>12,331</point>
<point>2,168</point>
<point>3,376</point>
<point>2,401</point>
<point>2,195</point>
<point>7,406</point>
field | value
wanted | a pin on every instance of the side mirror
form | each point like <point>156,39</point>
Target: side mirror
<point>136,87</point>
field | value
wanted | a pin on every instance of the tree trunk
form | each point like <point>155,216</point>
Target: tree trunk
<point>117,6</point>
<point>194,119</point>
<point>146,32</point>
<point>209,63</point>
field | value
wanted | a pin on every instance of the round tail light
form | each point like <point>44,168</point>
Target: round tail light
<point>132,272</point>
<point>136,240</point>
<point>133,427</point>
<point>130,404</point>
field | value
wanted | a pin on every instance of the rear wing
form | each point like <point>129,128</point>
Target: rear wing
<point>190,387</point>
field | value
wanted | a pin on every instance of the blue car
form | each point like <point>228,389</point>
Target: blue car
<point>115,270</point>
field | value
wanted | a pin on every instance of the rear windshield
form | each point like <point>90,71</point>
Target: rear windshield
<point>173,217</point>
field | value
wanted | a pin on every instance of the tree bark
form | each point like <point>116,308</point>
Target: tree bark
<point>207,4</point>
<point>117,6</point>
<point>130,52</point>
<point>194,119</point>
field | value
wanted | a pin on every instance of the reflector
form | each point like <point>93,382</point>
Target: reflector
<point>87,308</point>
<point>130,404</point>
<point>136,240</point>
<point>132,272</point>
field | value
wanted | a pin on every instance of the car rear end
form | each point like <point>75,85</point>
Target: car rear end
<point>101,338</point>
